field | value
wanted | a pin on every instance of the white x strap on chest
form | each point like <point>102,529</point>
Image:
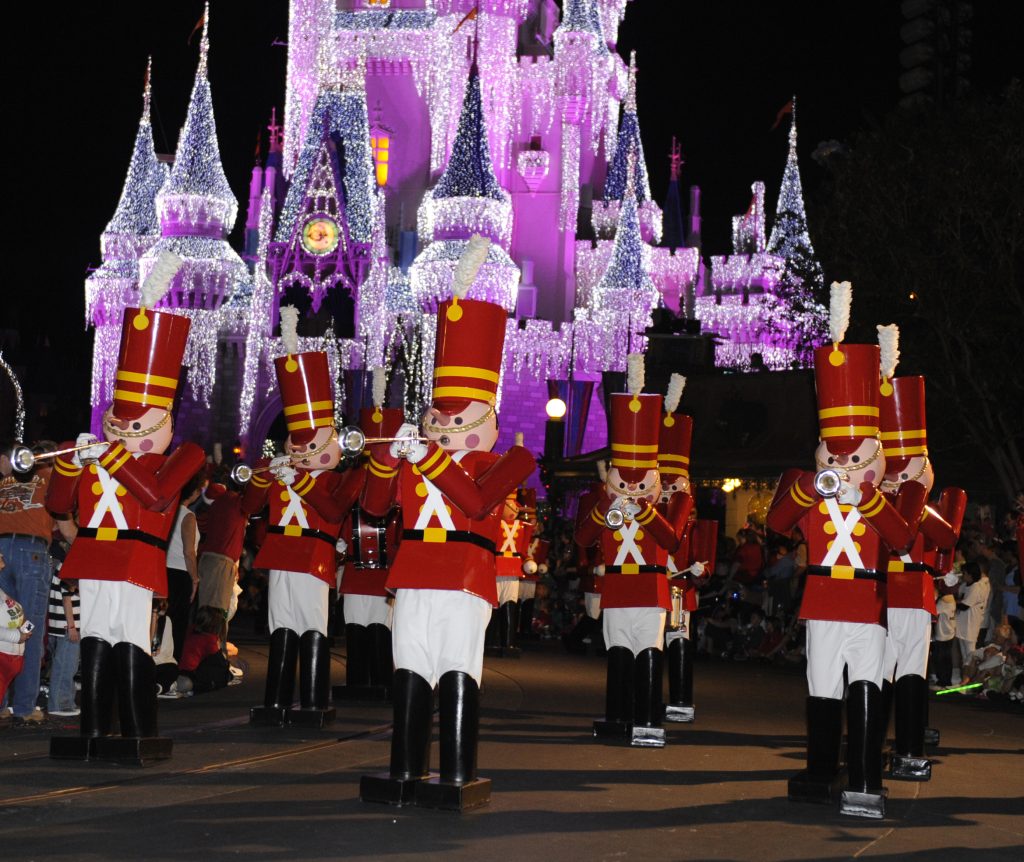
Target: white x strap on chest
<point>108,502</point>
<point>508,543</point>
<point>434,505</point>
<point>843,542</point>
<point>294,511</point>
<point>629,547</point>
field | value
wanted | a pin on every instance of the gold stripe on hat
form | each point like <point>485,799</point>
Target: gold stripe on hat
<point>848,410</point>
<point>154,379</point>
<point>321,422</point>
<point>905,450</point>
<point>463,392</point>
<point>147,399</point>
<point>309,408</point>
<point>634,447</point>
<point>673,471</point>
<point>466,371</point>
<point>629,462</point>
<point>850,431</point>
<point>668,456</point>
<point>902,435</point>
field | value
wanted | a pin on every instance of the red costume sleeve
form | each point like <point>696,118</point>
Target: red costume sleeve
<point>330,494</point>
<point>910,502</point>
<point>254,498</point>
<point>884,518</point>
<point>680,507</point>
<point>476,498</point>
<point>62,489</point>
<point>942,527</point>
<point>154,491</point>
<point>589,527</point>
<point>794,495</point>
<point>661,530</point>
<point>381,485</point>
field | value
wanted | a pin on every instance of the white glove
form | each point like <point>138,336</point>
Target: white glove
<point>529,568</point>
<point>92,453</point>
<point>599,570</point>
<point>281,469</point>
<point>411,449</point>
<point>341,546</point>
<point>631,509</point>
<point>849,495</point>
<point>950,579</point>
<point>697,569</point>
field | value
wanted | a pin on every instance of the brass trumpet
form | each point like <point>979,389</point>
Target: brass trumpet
<point>24,459</point>
<point>829,482</point>
<point>353,441</point>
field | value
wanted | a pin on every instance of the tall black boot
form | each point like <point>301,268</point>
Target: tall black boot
<point>492,635</point>
<point>819,782</point>
<point>526,619</point>
<point>99,676</point>
<point>413,700</point>
<point>885,714</point>
<point>648,708</point>
<point>457,788</point>
<point>382,666</point>
<point>931,734</point>
<point>357,667</point>
<point>864,795</point>
<point>908,760</point>
<point>680,680</point>
<point>618,704</point>
<point>509,626</point>
<point>280,687</point>
<point>314,682</point>
<point>139,742</point>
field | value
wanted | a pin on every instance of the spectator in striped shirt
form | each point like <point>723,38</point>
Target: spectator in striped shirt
<point>64,640</point>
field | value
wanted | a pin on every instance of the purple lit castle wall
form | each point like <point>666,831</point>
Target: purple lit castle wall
<point>407,127</point>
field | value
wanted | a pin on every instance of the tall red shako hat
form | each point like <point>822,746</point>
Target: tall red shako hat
<point>378,420</point>
<point>304,379</point>
<point>676,433</point>
<point>846,377</point>
<point>635,424</point>
<point>902,423</point>
<point>152,347</point>
<point>470,339</point>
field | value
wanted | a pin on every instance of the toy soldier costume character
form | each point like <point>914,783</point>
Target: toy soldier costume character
<point>125,492</point>
<point>910,583</point>
<point>636,540</point>
<point>514,536</point>
<point>308,501</point>
<point>443,576</point>
<point>845,519</point>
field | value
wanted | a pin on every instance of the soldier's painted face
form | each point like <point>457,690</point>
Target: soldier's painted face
<point>327,459</point>
<point>646,488</point>
<point>866,463</point>
<point>150,434</point>
<point>474,428</point>
<point>673,485</point>
<point>919,469</point>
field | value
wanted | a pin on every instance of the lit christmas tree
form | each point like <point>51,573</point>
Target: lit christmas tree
<point>797,303</point>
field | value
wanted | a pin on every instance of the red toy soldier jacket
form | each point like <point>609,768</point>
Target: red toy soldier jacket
<point>126,509</point>
<point>305,519</point>
<point>513,545</point>
<point>372,546</point>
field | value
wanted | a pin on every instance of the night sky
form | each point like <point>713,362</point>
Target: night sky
<point>712,73</point>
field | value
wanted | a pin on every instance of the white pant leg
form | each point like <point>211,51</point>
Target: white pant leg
<point>910,636</point>
<point>889,657</point>
<point>832,645</point>
<point>636,629</point>
<point>592,604</point>
<point>367,610</point>
<point>436,631</point>
<point>296,601</point>
<point>508,590</point>
<point>117,612</point>
<point>527,590</point>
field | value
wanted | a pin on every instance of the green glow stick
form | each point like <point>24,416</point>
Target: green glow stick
<point>961,688</point>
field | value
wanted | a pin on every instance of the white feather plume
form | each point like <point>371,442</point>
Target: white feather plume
<point>519,438</point>
<point>674,393</point>
<point>635,373</point>
<point>602,470</point>
<point>378,386</point>
<point>158,282</point>
<point>841,296</point>
<point>290,328</point>
<point>469,264</point>
<point>889,345</point>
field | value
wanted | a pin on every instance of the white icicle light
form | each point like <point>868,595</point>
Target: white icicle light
<point>378,386</point>
<point>635,373</point>
<point>674,393</point>
<point>889,346</point>
<point>469,265</point>
<point>158,282</point>
<point>290,329</point>
<point>840,298</point>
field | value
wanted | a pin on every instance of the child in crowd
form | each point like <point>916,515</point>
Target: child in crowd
<point>203,666</point>
<point>13,635</point>
<point>65,638</point>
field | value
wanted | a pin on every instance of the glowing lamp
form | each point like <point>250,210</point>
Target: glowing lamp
<point>555,408</point>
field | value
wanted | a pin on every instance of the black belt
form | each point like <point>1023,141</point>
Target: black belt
<point>24,536</point>
<point>617,570</point>
<point>506,555</point>
<point>120,535</point>
<point>306,533</point>
<point>453,536</point>
<point>916,567</point>
<point>858,574</point>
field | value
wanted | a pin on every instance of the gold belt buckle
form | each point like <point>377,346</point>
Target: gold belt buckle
<point>842,573</point>
<point>106,534</point>
<point>896,566</point>
<point>435,534</point>
<point>292,530</point>
<point>630,569</point>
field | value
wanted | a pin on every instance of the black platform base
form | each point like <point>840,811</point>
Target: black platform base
<point>647,737</point>
<point>817,789</point>
<point>434,793</point>
<point>503,652</point>
<point>931,736</point>
<point>678,713</point>
<point>318,718</point>
<point>134,750</point>
<point>381,787</point>
<point>72,747</point>
<point>869,805</point>
<point>906,768</point>
<point>268,717</point>
<point>361,693</point>
<point>613,731</point>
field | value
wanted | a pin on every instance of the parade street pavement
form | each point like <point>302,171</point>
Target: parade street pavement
<point>718,791</point>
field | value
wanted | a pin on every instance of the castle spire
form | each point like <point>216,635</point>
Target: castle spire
<point>628,142</point>
<point>627,270</point>
<point>673,219</point>
<point>789,234</point>
<point>581,16</point>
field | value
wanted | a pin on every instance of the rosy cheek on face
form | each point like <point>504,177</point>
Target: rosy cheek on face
<point>472,441</point>
<point>145,445</point>
<point>325,458</point>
